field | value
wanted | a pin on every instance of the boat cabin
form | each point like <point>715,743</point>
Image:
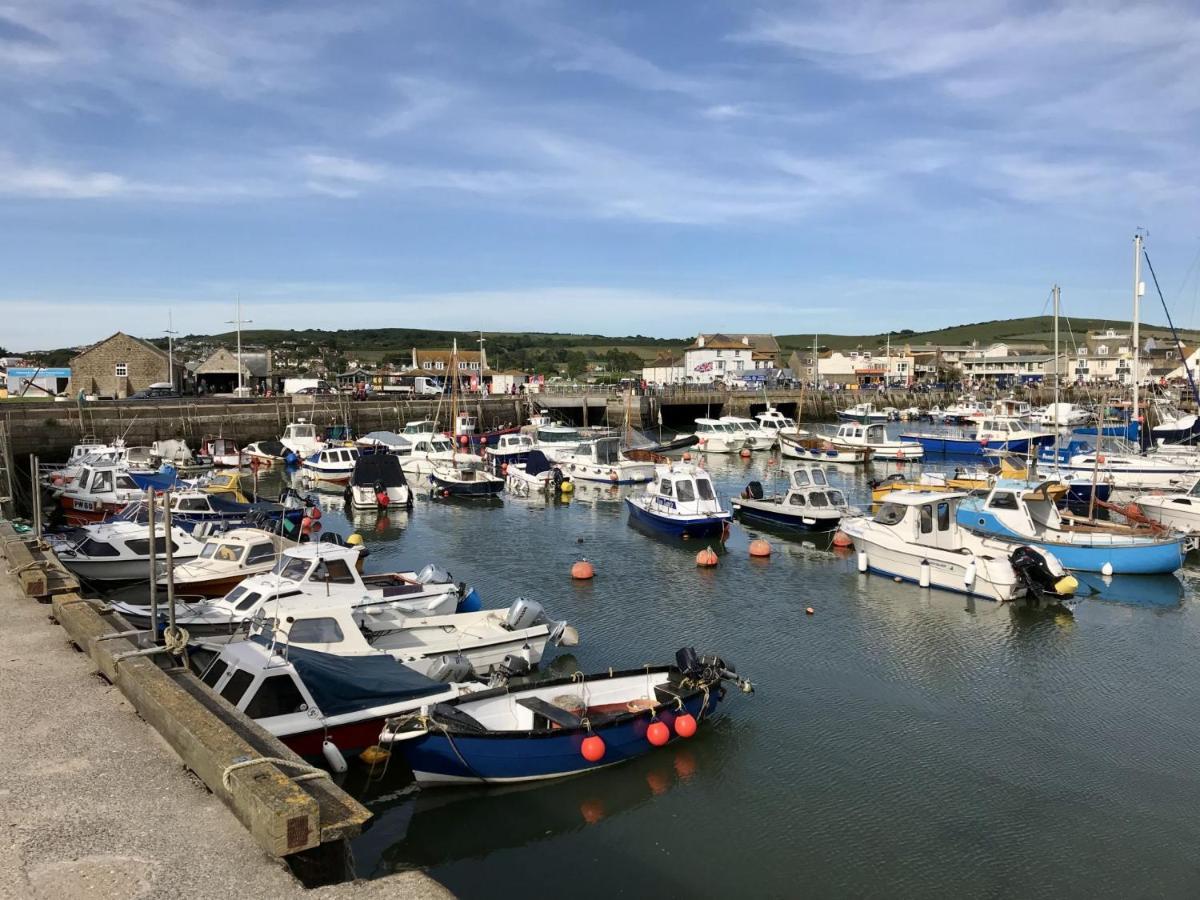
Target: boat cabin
<point>512,443</point>
<point>300,432</point>
<point>241,547</point>
<point>748,426</point>
<point>860,435</point>
<point>330,566</point>
<point>601,452</point>
<point>420,427</point>
<point>773,421</point>
<point>809,486</point>
<point>715,426</point>
<point>557,434</point>
<point>996,429</point>
<point>432,443</point>
<point>925,518</point>
<point>104,480</point>
<point>107,542</point>
<point>333,458</point>
<point>684,490</point>
<point>1012,506</point>
<point>464,423</point>
<point>1012,408</point>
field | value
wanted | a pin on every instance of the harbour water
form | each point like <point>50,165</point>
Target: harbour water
<point>900,742</point>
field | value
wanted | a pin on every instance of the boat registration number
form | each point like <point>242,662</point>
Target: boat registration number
<point>85,505</point>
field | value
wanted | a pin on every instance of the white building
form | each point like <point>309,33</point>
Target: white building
<point>720,357</point>
<point>667,368</point>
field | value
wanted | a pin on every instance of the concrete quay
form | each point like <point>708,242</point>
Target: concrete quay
<point>94,803</point>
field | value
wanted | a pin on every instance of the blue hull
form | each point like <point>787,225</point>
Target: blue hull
<point>523,755</point>
<point>676,526</point>
<point>1129,431</point>
<point>953,446</point>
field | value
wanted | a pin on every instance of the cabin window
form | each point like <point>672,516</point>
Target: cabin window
<point>800,478</point>
<point>260,553</point>
<point>92,547</point>
<point>1003,500</point>
<point>249,601</point>
<point>943,516</point>
<point>335,571</point>
<point>818,477</point>
<point>236,686</point>
<point>192,504</point>
<point>664,488</point>
<point>704,489</point>
<point>290,567</point>
<point>225,553</point>
<point>890,514</point>
<point>684,490</point>
<point>102,482</point>
<point>817,498</point>
<point>316,631</point>
<point>926,519</point>
<point>215,671</point>
<point>125,483</point>
<point>836,498</point>
<point>797,500</point>
<point>141,546</point>
<point>276,696</point>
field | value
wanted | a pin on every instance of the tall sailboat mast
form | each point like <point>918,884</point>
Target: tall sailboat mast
<point>1058,378</point>
<point>1138,288</point>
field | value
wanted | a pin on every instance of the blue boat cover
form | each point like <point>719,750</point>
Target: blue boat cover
<point>536,463</point>
<point>165,479</point>
<point>344,684</point>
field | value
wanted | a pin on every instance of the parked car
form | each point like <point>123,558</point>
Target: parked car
<point>161,391</point>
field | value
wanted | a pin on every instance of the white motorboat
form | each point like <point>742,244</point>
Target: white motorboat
<point>378,482</point>
<point>556,440</point>
<point>120,550</point>
<point>323,572</point>
<point>863,412</point>
<point>715,436</point>
<point>264,454</point>
<point>1179,510</point>
<point>224,453</point>
<point>486,641</point>
<point>916,537</point>
<point>601,459</point>
<point>819,449</point>
<point>429,448</point>
<point>1067,415</point>
<point>384,442</point>
<point>509,449</point>
<point>332,465</point>
<point>536,475</point>
<point>98,491</point>
<point>300,440</point>
<point>1123,468</point>
<point>810,503</point>
<point>775,423</point>
<point>966,409</point>
<point>756,438</point>
<point>852,435</point>
<point>1013,409</point>
<point>225,561</point>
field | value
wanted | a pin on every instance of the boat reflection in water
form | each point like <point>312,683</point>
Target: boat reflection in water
<point>1153,591</point>
<point>425,828</point>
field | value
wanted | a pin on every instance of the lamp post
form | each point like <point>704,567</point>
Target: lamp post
<point>239,322</point>
<point>171,350</point>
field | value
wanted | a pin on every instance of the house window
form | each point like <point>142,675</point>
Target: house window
<point>1102,349</point>
<point>1083,351</point>
<point>438,365</point>
<point>121,370</point>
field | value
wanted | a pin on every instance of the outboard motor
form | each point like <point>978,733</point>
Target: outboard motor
<point>452,668</point>
<point>753,491</point>
<point>433,574</point>
<point>524,614</point>
<point>1036,574</point>
<point>512,666</point>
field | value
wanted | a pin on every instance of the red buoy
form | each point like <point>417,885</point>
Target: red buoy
<point>841,539</point>
<point>583,570</point>
<point>315,513</point>
<point>592,748</point>
<point>685,725</point>
<point>707,558</point>
<point>483,441</point>
<point>382,498</point>
<point>305,524</point>
<point>760,548</point>
<point>686,456</point>
<point>745,454</point>
<point>658,733</point>
<point>464,440</point>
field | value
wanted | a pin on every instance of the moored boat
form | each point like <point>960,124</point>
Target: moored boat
<point>225,561</point>
<point>819,449</point>
<point>809,504</point>
<point>682,502</point>
<point>378,482</point>
<point>853,435</point>
<point>601,459</point>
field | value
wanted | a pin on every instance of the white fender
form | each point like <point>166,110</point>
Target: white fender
<point>925,573</point>
<point>969,573</point>
<point>862,560</point>
<point>1106,569</point>
<point>333,756</point>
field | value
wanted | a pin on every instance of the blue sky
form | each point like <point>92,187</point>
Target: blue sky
<point>644,167</point>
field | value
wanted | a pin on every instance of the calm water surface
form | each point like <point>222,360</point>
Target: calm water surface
<point>900,742</point>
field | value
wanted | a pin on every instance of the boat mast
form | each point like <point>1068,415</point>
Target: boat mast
<point>171,332</point>
<point>239,322</point>
<point>1137,295</point>
<point>1057,377</point>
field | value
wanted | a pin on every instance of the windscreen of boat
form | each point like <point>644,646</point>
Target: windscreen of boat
<point>684,490</point>
<point>442,444</point>
<point>800,478</point>
<point>704,489</point>
<point>836,498</point>
<point>890,514</point>
<point>818,477</point>
<point>291,567</point>
<point>93,547</point>
<point>125,483</point>
<point>817,498</point>
<point>608,451</point>
<point>221,552</point>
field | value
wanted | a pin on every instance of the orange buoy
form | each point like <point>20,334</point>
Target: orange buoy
<point>685,725</point>
<point>464,440</point>
<point>707,557</point>
<point>760,548</point>
<point>745,454</point>
<point>503,468</point>
<point>841,539</point>
<point>315,513</point>
<point>808,610</point>
<point>592,748</point>
<point>583,570</point>
<point>658,733</point>
<point>305,524</point>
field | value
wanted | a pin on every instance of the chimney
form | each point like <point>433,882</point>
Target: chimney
<point>746,339</point>
<point>700,340</point>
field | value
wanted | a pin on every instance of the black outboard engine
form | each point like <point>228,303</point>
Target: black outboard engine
<point>687,661</point>
<point>1033,571</point>
<point>753,491</point>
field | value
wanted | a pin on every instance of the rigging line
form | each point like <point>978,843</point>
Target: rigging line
<point>1178,343</point>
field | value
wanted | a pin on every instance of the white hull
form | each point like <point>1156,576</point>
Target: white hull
<point>624,472</point>
<point>363,497</point>
<point>712,444</point>
<point>1177,511</point>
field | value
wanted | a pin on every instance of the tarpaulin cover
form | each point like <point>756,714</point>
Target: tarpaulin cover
<point>344,684</point>
<point>377,468</point>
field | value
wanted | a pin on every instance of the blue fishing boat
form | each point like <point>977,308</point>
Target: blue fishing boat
<point>1013,512</point>
<point>680,502</point>
<point>566,726</point>
<point>988,435</point>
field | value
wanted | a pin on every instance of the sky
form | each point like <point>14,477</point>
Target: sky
<point>660,168</point>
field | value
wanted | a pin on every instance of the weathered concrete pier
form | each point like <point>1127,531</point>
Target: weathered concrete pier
<point>97,797</point>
